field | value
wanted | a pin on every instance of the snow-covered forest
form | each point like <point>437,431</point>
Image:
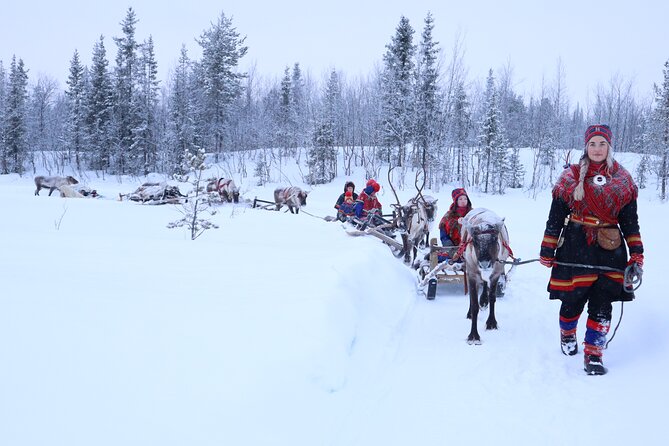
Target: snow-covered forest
<point>419,108</point>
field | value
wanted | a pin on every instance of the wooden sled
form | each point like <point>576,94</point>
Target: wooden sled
<point>264,204</point>
<point>356,227</point>
<point>432,272</point>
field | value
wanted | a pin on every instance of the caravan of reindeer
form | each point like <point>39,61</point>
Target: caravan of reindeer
<point>484,247</point>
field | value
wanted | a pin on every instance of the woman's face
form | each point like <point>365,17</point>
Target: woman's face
<point>350,188</point>
<point>598,149</point>
<point>462,201</point>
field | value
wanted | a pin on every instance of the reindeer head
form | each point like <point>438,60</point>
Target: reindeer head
<point>430,207</point>
<point>303,197</point>
<point>71,180</point>
<point>485,240</point>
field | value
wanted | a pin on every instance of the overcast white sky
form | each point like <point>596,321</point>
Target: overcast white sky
<point>595,40</point>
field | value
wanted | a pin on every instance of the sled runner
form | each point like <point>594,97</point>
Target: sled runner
<point>383,231</point>
<point>432,271</point>
<point>263,204</point>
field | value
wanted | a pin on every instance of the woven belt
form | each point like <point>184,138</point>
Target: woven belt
<point>591,221</point>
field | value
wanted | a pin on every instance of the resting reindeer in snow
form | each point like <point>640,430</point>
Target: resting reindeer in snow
<point>485,244</point>
<point>293,197</point>
<point>412,219</point>
<point>52,183</point>
<point>226,189</point>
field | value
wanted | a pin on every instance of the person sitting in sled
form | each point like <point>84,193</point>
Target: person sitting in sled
<point>347,207</point>
<point>450,225</point>
<point>346,202</point>
<point>367,203</point>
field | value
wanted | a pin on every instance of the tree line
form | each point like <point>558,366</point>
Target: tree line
<point>415,112</point>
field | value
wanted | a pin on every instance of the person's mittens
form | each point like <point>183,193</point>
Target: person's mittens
<point>636,258</point>
<point>548,262</point>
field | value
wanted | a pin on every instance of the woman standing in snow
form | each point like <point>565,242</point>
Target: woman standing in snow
<point>593,202</point>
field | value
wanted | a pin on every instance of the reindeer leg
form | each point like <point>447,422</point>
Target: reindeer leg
<point>474,337</point>
<point>51,190</point>
<point>484,300</point>
<point>491,323</point>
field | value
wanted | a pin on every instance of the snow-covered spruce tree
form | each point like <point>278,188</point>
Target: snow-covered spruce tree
<point>516,172</point>
<point>286,116</point>
<point>643,145</point>
<point>13,147</point>
<point>428,106</point>
<point>100,109</point>
<point>513,111</point>
<point>460,131</point>
<point>493,154</point>
<point>75,127</point>
<point>397,91</point>
<point>181,129</point>
<point>220,84</point>
<point>322,159</point>
<point>661,120</point>
<point>299,108</point>
<point>642,170</point>
<point>146,134</point>
<point>126,99</point>
<point>192,210</point>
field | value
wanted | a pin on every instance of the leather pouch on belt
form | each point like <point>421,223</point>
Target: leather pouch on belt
<point>609,238</point>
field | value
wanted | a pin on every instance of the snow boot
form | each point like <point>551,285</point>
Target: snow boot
<point>568,344</point>
<point>593,365</point>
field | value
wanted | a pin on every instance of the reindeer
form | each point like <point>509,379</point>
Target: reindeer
<point>52,183</point>
<point>412,220</point>
<point>485,242</point>
<point>293,197</point>
<point>226,189</point>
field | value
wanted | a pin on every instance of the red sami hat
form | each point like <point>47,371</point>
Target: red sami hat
<point>457,193</point>
<point>599,130</point>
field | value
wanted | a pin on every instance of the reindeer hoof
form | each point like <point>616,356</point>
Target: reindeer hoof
<point>491,325</point>
<point>473,341</point>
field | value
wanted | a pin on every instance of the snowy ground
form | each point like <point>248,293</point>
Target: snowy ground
<point>280,329</point>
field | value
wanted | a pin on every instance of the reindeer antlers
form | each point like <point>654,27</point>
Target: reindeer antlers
<point>390,169</point>
<point>420,189</point>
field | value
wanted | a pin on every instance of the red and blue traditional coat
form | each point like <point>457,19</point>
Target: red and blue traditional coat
<point>366,203</point>
<point>609,201</point>
<point>449,226</point>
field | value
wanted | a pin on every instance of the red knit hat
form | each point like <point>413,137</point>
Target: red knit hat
<point>348,194</point>
<point>376,186</point>
<point>370,182</point>
<point>599,130</point>
<point>457,193</point>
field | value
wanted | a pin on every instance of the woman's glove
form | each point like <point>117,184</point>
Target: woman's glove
<point>548,262</point>
<point>636,258</point>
